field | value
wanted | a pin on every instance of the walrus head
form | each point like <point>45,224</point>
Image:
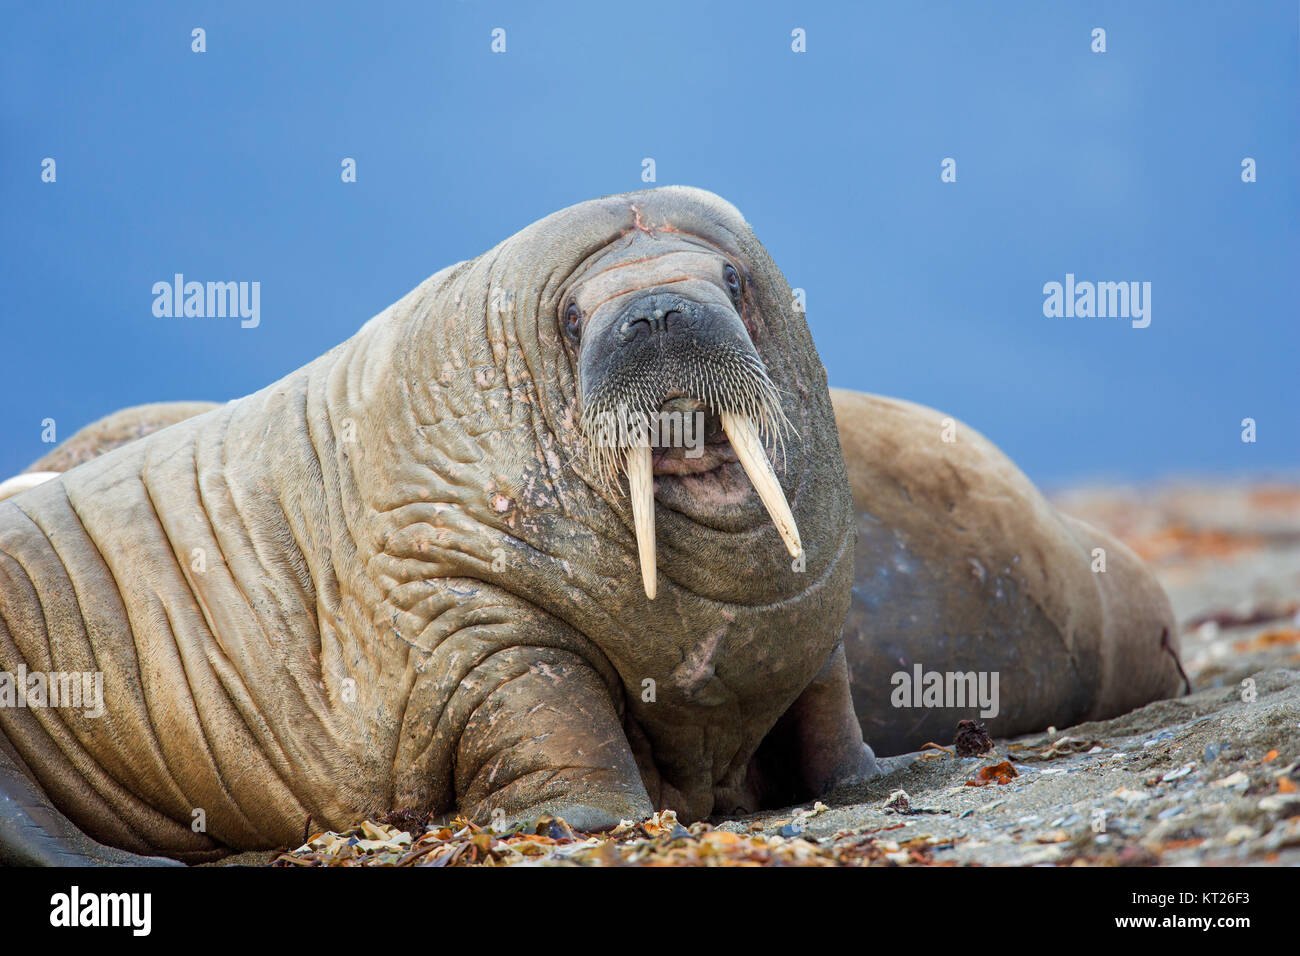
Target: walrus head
<point>528,373</point>
<point>695,387</point>
<point>673,390</point>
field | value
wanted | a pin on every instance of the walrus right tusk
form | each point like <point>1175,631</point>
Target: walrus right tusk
<point>641,485</point>
<point>749,449</point>
<point>29,479</point>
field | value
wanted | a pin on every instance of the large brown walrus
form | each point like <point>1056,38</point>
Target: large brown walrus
<point>423,573</point>
<point>964,570</point>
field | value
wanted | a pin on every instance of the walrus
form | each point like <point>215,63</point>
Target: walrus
<point>964,570</point>
<point>404,577</point>
<point>423,573</point>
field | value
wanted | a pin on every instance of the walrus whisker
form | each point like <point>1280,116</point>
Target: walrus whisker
<point>732,380</point>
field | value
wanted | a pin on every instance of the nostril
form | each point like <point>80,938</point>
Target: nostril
<point>634,325</point>
<point>648,319</point>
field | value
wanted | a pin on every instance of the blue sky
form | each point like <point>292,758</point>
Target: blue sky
<point>1123,165</point>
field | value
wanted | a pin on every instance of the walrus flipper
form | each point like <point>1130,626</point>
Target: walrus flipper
<point>34,833</point>
<point>568,757</point>
<point>816,746</point>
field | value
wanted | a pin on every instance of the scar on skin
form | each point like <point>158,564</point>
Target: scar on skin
<point>697,668</point>
<point>638,225</point>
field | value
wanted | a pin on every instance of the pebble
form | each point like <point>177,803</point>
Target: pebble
<point>1240,834</point>
<point>1279,802</point>
<point>1041,854</point>
<point>1237,779</point>
<point>1130,796</point>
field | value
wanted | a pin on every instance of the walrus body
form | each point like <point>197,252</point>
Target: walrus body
<point>400,578</point>
<point>963,568</point>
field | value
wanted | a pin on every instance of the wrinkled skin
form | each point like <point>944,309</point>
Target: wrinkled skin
<point>390,581</point>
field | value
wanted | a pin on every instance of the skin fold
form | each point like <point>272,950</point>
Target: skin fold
<point>391,579</point>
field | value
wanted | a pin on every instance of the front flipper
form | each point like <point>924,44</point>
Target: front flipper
<point>545,738</point>
<point>816,745</point>
<point>34,833</point>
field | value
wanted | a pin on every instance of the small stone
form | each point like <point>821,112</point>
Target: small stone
<point>1237,779</point>
<point>1240,834</point>
<point>1288,804</point>
<point>1041,854</point>
<point>1130,796</point>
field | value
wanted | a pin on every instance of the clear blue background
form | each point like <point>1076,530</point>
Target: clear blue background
<point>1117,166</point>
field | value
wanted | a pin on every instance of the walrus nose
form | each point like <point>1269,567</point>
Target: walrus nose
<point>656,314</point>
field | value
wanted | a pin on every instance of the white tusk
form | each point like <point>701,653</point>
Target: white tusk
<point>641,484</point>
<point>749,449</point>
<point>28,479</point>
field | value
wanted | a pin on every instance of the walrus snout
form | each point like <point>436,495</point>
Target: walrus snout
<point>653,350</point>
<point>626,340</point>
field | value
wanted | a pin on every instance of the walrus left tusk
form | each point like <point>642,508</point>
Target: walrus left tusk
<point>28,479</point>
<point>641,485</point>
<point>749,449</point>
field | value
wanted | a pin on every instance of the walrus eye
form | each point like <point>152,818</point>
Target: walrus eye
<point>572,318</point>
<point>732,278</point>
